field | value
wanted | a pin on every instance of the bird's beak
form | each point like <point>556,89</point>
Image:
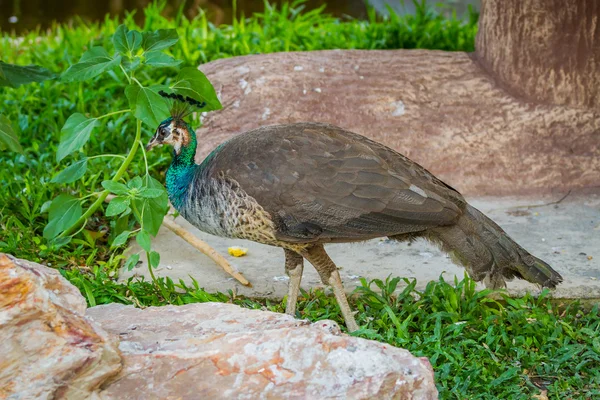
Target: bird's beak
<point>152,143</point>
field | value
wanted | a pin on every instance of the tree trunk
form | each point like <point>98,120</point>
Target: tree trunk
<point>547,51</point>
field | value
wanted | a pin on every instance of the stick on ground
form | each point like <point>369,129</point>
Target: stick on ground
<point>201,246</point>
<point>204,248</point>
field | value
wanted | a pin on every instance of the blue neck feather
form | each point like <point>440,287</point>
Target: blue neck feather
<point>183,169</point>
<point>181,172</point>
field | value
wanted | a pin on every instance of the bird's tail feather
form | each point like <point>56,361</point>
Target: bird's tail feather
<point>489,254</point>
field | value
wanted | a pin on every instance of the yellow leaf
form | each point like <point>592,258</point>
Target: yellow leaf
<point>237,251</point>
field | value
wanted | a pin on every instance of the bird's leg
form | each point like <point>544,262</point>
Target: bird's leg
<point>330,275</point>
<point>294,265</point>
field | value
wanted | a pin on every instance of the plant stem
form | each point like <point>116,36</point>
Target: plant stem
<point>145,159</point>
<point>136,81</point>
<point>106,155</point>
<point>113,113</point>
<point>125,73</point>
<point>121,171</point>
<point>150,269</point>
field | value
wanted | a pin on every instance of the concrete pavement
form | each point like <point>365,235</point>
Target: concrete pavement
<point>566,235</point>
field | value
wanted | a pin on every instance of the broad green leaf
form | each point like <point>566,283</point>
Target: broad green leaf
<point>115,187</point>
<point>17,75</point>
<point>147,105</point>
<point>143,239</point>
<point>148,193</point>
<point>57,243</point>
<point>135,183</point>
<point>150,212</point>
<point>74,134</point>
<point>121,239</point>
<point>159,40</point>
<point>159,59</point>
<point>46,206</point>
<point>154,259</point>
<point>64,211</point>
<point>126,42</point>
<point>8,138</point>
<point>93,62</point>
<point>131,64</point>
<point>193,83</point>
<point>132,261</point>
<point>117,206</point>
<point>72,173</point>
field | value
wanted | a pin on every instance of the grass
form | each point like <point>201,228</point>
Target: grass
<point>479,347</point>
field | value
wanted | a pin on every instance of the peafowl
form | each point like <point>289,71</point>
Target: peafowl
<point>303,185</point>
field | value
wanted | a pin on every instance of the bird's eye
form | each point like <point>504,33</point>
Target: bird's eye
<point>162,132</point>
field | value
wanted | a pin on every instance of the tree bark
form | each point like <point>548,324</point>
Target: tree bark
<point>547,51</point>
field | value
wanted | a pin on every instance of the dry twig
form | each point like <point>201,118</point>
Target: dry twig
<point>204,248</point>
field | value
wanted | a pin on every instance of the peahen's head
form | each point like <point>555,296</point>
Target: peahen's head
<point>174,132</point>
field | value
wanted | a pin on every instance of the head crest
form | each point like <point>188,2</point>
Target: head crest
<point>180,106</point>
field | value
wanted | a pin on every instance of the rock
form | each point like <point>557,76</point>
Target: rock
<point>441,109</point>
<point>222,351</point>
<point>49,349</point>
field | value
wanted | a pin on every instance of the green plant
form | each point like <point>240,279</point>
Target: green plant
<point>15,76</point>
<point>141,196</point>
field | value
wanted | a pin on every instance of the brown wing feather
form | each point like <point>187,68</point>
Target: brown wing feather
<point>320,182</point>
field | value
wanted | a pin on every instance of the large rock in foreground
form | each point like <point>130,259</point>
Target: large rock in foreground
<point>48,349</point>
<point>51,350</point>
<point>222,351</point>
<point>441,109</point>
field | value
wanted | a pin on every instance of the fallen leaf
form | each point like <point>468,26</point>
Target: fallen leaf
<point>237,251</point>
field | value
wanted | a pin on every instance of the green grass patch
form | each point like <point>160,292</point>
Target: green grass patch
<point>481,346</point>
